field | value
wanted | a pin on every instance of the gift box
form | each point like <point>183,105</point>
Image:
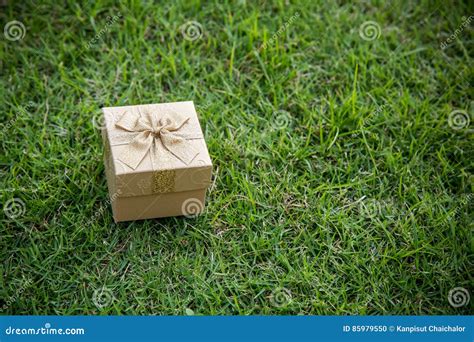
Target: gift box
<point>156,160</point>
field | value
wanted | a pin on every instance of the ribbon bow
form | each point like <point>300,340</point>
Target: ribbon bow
<point>150,131</point>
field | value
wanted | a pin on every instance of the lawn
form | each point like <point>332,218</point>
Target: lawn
<point>340,136</point>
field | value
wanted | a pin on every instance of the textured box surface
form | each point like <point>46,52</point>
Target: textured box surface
<point>187,203</point>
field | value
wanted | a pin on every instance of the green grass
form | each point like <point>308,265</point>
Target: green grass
<point>339,185</point>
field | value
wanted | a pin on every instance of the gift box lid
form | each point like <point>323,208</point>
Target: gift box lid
<point>155,148</point>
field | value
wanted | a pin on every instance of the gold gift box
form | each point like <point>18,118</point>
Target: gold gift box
<point>156,160</point>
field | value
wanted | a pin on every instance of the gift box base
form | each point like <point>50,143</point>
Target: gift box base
<point>187,203</point>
